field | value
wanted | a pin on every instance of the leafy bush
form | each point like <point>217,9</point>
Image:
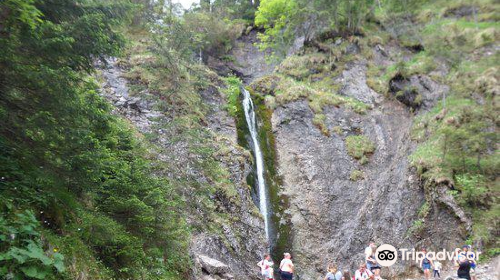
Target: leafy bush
<point>212,34</point>
<point>232,92</point>
<point>65,155</point>
<point>22,255</point>
<point>274,16</point>
<point>473,189</point>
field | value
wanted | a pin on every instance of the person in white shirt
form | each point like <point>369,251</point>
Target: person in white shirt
<point>286,267</point>
<point>437,269</point>
<point>362,273</point>
<point>266,267</point>
<point>371,262</point>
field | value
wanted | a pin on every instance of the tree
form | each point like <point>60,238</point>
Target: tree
<point>67,158</point>
<point>284,21</point>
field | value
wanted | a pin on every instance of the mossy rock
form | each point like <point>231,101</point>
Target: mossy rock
<point>301,67</point>
<point>319,121</point>
<point>338,130</point>
<point>404,92</point>
<point>266,85</point>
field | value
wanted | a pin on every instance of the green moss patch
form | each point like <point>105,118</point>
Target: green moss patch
<point>356,175</point>
<point>359,147</point>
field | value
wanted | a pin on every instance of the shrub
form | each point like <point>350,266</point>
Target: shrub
<point>356,175</point>
<point>485,37</point>
<point>232,91</point>
<point>21,250</point>
<point>301,67</point>
<point>473,190</point>
<point>359,146</point>
<point>211,33</point>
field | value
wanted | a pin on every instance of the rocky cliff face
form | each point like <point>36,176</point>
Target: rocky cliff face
<point>333,215</point>
<point>228,236</point>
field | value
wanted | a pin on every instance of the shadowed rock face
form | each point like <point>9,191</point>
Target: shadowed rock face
<point>418,91</point>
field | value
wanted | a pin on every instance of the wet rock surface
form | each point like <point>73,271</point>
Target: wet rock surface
<point>484,271</point>
<point>333,217</point>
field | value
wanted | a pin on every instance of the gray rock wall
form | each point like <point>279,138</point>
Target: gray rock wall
<point>334,217</point>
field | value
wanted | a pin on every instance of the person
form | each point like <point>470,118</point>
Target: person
<point>463,270</point>
<point>266,267</point>
<point>468,249</point>
<point>362,273</point>
<point>426,265</point>
<point>346,275</point>
<point>371,261</point>
<point>286,267</point>
<point>437,269</point>
<point>330,275</point>
<point>338,275</point>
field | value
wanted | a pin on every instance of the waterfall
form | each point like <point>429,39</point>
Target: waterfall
<point>248,106</point>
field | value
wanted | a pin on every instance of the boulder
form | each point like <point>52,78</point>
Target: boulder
<point>212,266</point>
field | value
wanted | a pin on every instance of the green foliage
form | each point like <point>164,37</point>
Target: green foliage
<point>21,252</point>
<point>66,156</point>
<point>303,66</point>
<point>456,137</point>
<point>284,21</point>
<point>359,147</point>
<point>196,35</point>
<point>231,9</point>
<point>416,228</point>
<point>276,17</point>
<point>232,91</point>
<point>211,33</point>
<point>424,210</point>
<point>356,175</point>
<point>473,189</point>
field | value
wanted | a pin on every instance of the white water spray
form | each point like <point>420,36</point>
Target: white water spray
<point>252,127</point>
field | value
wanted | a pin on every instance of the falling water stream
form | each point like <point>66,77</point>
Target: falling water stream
<point>251,121</point>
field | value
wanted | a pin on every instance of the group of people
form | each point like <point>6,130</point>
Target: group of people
<point>369,269</point>
<point>285,269</point>
<point>465,267</point>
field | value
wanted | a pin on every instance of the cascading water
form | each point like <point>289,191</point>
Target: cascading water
<point>249,109</point>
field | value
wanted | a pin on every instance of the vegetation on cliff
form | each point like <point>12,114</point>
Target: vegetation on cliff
<point>451,42</point>
<point>81,191</point>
